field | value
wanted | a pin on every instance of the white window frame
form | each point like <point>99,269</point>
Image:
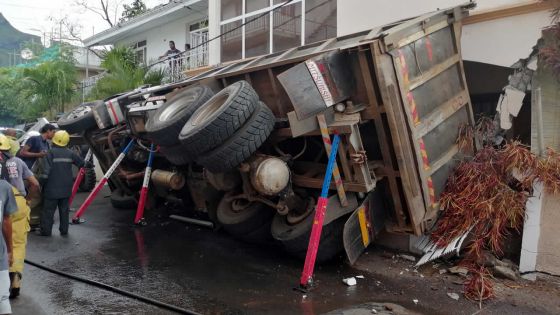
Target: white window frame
<point>144,48</point>
<point>244,16</point>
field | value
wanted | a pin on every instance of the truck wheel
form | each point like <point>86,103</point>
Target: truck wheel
<point>80,118</point>
<point>248,221</point>
<point>89,180</point>
<point>175,154</point>
<point>168,120</point>
<point>120,200</point>
<point>242,144</point>
<point>219,118</point>
<point>295,238</point>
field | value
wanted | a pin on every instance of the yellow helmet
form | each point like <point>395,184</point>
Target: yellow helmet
<point>61,138</point>
<point>5,144</point>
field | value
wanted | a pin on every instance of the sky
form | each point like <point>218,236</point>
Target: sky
<point>39,17</point>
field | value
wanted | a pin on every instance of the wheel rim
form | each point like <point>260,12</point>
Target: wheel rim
<point>238,205</point>
<point>179,105</point>
<point>79,112</point>
<point>204,113</point>
<point>294,218</point>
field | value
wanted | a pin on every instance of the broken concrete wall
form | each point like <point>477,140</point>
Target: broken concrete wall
<point>546,87</point>
<point>548,258</point>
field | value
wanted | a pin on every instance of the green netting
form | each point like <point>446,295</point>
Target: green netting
<point>49,54</point>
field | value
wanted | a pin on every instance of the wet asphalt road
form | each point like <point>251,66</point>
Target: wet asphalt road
<point>184,265</point>
<point>211,273</point>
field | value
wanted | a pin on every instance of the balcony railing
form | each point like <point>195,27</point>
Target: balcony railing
<point>175,66</point>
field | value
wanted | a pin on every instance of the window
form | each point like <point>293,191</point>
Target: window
<point>257,37</point>
<point>140,48</point>
<point>231,8</point>
<point>320,20</point>
<point>287,27</point>
<point>273,26</point>
<point>231,41</point>
<point>254,5</point>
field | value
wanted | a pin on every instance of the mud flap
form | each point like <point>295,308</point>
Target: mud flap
<point>362,226</point>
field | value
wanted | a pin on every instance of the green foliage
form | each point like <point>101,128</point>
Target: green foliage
<point>50,85</point>
<point>39,88</point>
<point>123,74</point>
<point>136,8</point>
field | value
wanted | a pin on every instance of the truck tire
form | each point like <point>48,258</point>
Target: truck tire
<point>219,118</point>
<point>120,200</point>
<point>242,144</point>
<point>80,118</point>
<point>175,154</point>
<point>89,180</point>
<point>251,224</point>
<point>295,238</point>
<point>166,123</point>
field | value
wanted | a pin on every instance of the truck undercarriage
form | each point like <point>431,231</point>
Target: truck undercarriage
<point>245,142</point>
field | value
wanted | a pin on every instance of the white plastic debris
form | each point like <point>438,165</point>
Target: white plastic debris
<point>360,277</point>
<point>373,311</point>
<point>415,301</point>
<point>453,295</point>
<point>408,257</point>
<point>349,281</point>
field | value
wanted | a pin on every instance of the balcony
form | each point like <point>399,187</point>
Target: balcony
<point>175,67</point>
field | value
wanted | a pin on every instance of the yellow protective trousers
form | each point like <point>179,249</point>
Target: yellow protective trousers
<point>20,228</point>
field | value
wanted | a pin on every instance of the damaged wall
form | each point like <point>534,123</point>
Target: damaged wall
<point>548,258</point>
<point>548,213</point>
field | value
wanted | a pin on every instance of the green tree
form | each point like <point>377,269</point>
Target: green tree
<point>136,8</point>
<point>123,73</point>
<point>10,96</point>
<point>50,85</point>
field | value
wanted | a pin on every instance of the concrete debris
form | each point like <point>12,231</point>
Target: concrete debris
<point>521,79</point>
<point>457,270</point>
<point>453,295</point>
<point>442,271</point>
<point>509,104</point>
<point>408,257</point>
<point>504,272</point>
<point>350,281</point>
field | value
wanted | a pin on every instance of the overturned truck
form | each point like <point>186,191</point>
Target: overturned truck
<point>242,142</point>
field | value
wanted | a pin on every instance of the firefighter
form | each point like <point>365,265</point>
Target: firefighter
<point>16,171</point>
<point>57,181</point>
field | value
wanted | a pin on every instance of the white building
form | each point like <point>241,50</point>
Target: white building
<point>499,32</point>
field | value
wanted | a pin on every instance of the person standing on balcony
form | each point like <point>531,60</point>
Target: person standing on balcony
<point>173,52</point>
